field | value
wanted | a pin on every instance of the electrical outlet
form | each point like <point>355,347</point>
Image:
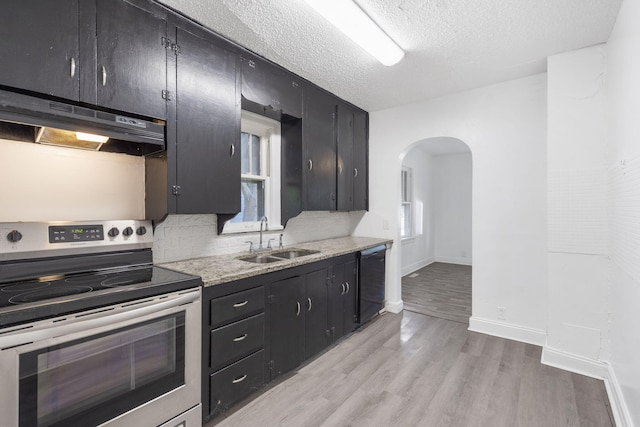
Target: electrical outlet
<point>502,313</point>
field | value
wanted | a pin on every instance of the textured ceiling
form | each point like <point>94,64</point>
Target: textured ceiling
<point>450,45</point>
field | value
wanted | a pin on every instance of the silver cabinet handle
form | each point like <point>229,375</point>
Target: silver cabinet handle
<point>240,338</point>
<point>239,379</point>
<point>355,171</point>
<point>309,299</point>
<point>240,304</point>
<point>298,309</point>
<point>232,150</point>
<point>73,66</point>
<point>348,288</point>
<point>310,164</point>
<point>104,76</point>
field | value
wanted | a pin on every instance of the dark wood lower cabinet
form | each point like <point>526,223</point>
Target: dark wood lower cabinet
<point>286,325</point>
<point>235,382</point>
<point>315,314</point>
<point>256,329</point>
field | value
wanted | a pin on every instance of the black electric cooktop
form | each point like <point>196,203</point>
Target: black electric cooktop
<point>49,296</point>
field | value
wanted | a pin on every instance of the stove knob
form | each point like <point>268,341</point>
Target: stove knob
<point>141,231</point>
<point>14,236</point>
<point>113,232</point>
<point>127,231</point>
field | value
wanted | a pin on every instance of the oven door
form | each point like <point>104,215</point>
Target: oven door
<point>131,364</point>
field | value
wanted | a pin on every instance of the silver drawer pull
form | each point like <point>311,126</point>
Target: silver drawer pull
<point>232,150</point>
<point>240,304</point>
<point>73,66</point>
<point>309,303</point>
<point>239,379</point>
<point>240,338</point>
<point>355,171</point>
<point>348,287</point>
<point>344,289</point>
<point>298,308</point>
<point>310,164</point>
<point>104,76</point>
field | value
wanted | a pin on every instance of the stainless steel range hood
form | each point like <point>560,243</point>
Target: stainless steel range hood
<point>31,119</point>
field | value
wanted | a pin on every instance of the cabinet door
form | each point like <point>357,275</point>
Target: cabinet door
<point>315,316</point>
<point>350,297</point>
<point>360,161</point>
<point>286,324</point>
<point>40,46</point>
<point>319,144</point>
<point>345,165</point>
<point>270,86</point>
<point>131,59</point>
<point>208,127</point>
<point>337,290</point>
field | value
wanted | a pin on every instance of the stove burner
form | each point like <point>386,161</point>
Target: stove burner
<point>127,279</point>
<point>26,286</point>
<point>84,279</point>
<point>51,292</point>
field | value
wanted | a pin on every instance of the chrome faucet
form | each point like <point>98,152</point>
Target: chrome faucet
<point>264,221</point>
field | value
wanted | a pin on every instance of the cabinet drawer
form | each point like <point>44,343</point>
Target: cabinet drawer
<point>234,341</point>
<point>235,382</point>
<point>236,306</point>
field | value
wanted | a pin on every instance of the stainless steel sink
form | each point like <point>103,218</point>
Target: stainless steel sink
<point>293,253</point>
<point>260,259</point>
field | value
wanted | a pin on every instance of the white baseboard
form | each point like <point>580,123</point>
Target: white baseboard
<point>507,330</point>
<point>573,363</point>
<point>619,407</point>
<point>417,266</point>
<point>453,260</point>
<point>394,306</point>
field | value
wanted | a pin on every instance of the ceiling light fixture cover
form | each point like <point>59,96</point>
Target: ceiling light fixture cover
<point>351,20</point>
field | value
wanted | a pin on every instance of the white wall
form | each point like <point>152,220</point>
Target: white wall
<point>418,251</point>
<point>505,127</point>
<point>48,183</point>
<point>623,113</point>
<point>577,195</point>
<point>452,176</point>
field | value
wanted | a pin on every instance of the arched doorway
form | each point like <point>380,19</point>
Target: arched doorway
<point>435,228</point>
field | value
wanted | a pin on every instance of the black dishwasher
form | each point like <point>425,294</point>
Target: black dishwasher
<point>372,281</point>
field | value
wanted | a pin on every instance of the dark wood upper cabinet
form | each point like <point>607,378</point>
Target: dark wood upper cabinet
<point>360,160</point>
<point>40,48</point>
<point>270,87</point>
<point>345,167</point>
<point>131,59</point>
<point>319,150</point>
<point>207,125</point>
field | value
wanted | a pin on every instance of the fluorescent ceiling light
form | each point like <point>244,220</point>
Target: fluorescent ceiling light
<point>91,137</point>
<point>351,20</point>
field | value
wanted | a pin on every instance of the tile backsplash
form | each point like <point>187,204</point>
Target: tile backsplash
<point>181,237</point>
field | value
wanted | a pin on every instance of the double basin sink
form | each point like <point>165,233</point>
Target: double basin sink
<point>277,256</point>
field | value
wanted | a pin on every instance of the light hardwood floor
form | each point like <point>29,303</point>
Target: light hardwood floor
<point>440,290</point>
<point>414,370</point>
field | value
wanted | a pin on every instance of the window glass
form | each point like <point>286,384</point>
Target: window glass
<point>406,205</point>
<point>255,155</point>
<point>244,151</point>
<point>251,201</point>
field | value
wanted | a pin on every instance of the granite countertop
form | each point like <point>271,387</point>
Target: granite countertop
<point>227,268</point>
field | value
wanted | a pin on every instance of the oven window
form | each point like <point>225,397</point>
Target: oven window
<point>90,381</point>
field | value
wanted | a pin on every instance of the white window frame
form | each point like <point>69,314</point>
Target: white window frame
<point>406,202</point>
<point>269,130</point>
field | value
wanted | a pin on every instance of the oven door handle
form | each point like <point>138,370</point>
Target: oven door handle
<point>22,336</point>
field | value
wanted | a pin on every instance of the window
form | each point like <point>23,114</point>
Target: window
<point>260,174</point>
<point>406,204</point>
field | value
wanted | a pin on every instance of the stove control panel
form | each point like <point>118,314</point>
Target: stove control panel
<point>75,233</point>
<point>25,240</point>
